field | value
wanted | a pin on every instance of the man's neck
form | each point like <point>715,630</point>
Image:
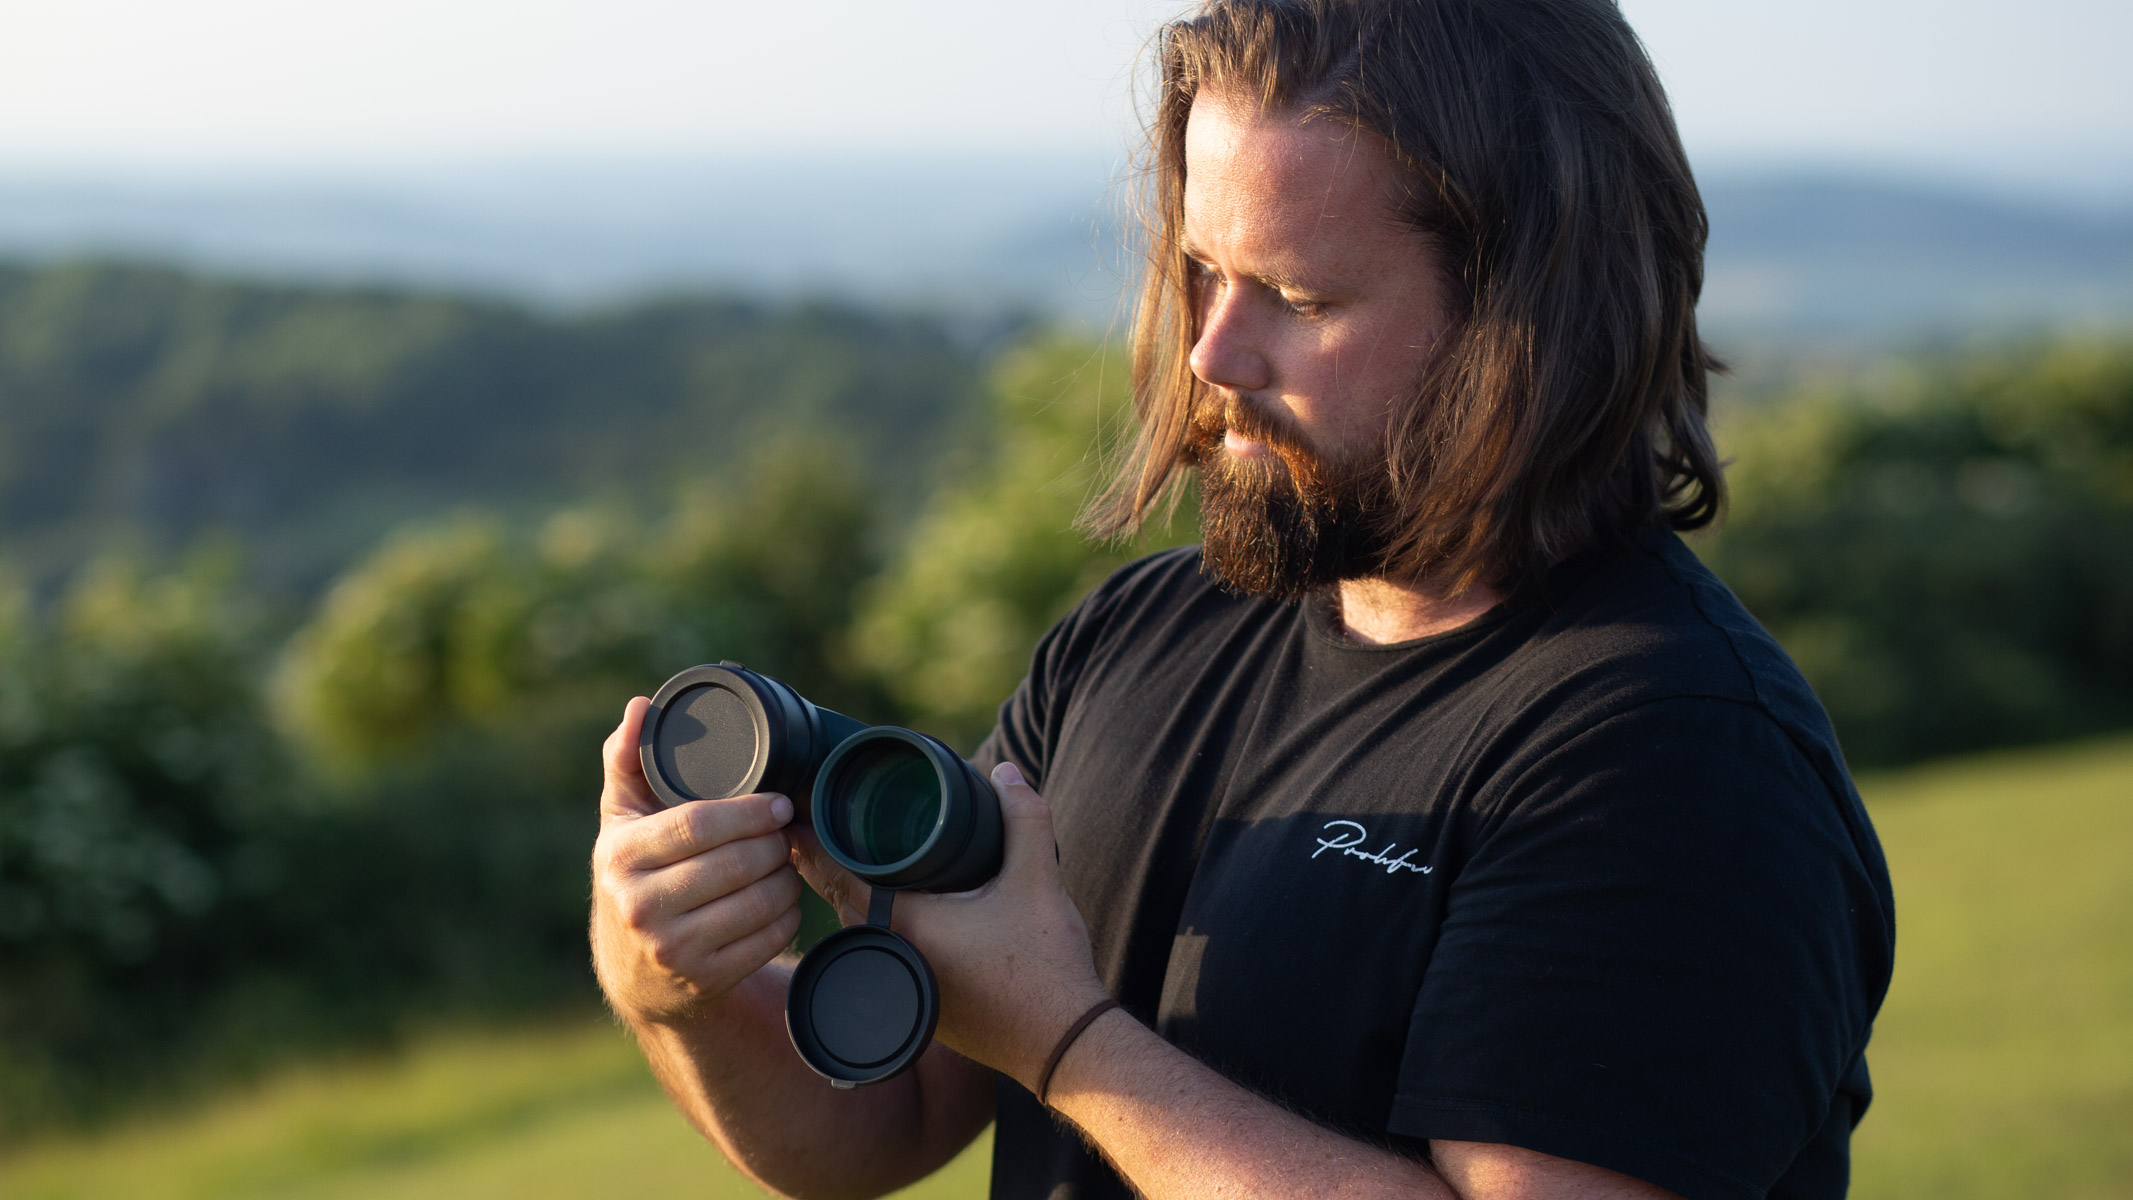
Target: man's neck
<point>1377,612</point>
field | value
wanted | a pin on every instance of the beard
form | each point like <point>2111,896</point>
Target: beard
<point>1290,524</point>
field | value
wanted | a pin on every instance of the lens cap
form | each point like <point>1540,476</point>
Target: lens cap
<point>861,1006</point>
<point>714,732</point>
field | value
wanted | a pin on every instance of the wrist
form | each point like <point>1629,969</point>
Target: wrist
<point>698,1009</point>
<point>1066,1042</point>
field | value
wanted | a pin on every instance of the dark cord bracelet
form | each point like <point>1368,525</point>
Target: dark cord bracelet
<point>1044,1078</point>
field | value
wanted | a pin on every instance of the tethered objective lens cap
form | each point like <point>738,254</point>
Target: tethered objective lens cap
<point>862,1006</point>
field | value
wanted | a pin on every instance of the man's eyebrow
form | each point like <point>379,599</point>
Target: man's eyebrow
<point>1273,279</point>
<point>1283,283</point>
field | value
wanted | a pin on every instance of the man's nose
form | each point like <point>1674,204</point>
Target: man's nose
<point>1227,352</point>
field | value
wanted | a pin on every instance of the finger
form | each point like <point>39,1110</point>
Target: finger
<point>687,830</point>
<point>739,959</point>
<point>1032,851</point>
<point>720,871</point>
<point>692,941</point>
<point>845,891</point>
<point>625,793</point>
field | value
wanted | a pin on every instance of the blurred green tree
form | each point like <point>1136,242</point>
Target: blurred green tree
<point>1946,548</point>
<point>147,402</point>
<point>995,559</point>
<point>463,629</point>
<point>137,783</point>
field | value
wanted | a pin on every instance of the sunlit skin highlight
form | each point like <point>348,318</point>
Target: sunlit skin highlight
<point>1317,309</point>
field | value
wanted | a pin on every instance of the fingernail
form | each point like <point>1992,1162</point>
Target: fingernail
<point>1007,774</point>
<point>780,809</point>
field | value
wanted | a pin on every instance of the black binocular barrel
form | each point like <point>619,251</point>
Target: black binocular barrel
<point>901,810</point>
<point>719,731</point>
<point>896,808</point>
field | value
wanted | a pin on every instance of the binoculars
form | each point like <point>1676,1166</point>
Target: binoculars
<point>894,807</point>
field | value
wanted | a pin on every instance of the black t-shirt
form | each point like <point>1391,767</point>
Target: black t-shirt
<point>1586,876</point>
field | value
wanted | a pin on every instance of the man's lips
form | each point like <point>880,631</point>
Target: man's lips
<point>1241,446</point>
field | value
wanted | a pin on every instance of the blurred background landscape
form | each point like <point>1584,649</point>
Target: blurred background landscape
<point>387,396</point>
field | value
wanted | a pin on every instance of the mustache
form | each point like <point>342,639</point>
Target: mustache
<point>1217,413</point>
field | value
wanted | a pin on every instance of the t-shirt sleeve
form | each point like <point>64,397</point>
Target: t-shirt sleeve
<point>1030,719</point>
<point>1659,956</point>
<point>1028,723</point>
<point>1018,737</point>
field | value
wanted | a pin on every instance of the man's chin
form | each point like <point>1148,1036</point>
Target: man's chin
<point>1280,547</point>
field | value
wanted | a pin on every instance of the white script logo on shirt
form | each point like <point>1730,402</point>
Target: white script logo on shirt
<point>1351,835</point>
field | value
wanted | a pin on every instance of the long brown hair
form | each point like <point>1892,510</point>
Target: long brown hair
<point>1566,408</point>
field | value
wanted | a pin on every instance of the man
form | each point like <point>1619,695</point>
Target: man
<point>1443,827</point>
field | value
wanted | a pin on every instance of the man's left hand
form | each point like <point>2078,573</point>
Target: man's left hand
<point>1012,956</point>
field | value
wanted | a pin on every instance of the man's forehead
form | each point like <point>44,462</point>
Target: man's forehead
<point>1238,158</point>
<point>1226,135</point>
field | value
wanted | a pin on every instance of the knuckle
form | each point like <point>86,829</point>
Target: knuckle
<point>607,889</point>
<point>665,955</point>
<point>788,885</point>
<point>769,852</point>
<point>702,826</point>
<point>751,908</point>
<point>616,853</point>
<point>761,903</point>
<point>689,824</point>
<point>639,912</point>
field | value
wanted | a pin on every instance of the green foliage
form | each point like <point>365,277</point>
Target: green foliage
<point>534,1113</point>
<point>2002,1063</point>
<point>136,777</point>
<point>1947,550</point>
<point>145,402</point>
<point>464,630</point>
<point>180,884</point>
<point>223,836</point>
<point>995,559</point>
<point>2003,1058</point>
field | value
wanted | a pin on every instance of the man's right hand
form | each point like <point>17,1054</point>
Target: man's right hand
<point>687,901</point>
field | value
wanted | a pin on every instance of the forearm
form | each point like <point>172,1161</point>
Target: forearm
<point>732,1071</point>
<point>1176,1129</point>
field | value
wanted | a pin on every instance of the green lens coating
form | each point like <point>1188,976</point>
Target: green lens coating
<point>892,806</point>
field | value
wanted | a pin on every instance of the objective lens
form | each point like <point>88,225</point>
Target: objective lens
<point>901,810</point>
<point>893,805</point>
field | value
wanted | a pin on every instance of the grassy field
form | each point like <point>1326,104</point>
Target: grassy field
<point>530,1115</point>
<point>2003,1060</point>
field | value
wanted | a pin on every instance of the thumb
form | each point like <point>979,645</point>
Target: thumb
<point>624,793</point>
<point>846,892</point>
<point>1031,846</point>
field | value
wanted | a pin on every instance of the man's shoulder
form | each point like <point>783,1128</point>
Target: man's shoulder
<point>1654,624</point>
<point>1149,591</point>
<point>1164,571</point>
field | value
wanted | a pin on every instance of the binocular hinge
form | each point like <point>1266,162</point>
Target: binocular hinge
<point>879,902</point>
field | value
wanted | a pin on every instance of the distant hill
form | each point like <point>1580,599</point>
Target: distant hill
<point>156,405</point>
<point>1855,260</point>
<point>942,233</point>
<point>1818,257</point>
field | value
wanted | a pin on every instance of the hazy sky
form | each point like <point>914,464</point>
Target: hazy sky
<point>1997,90</point>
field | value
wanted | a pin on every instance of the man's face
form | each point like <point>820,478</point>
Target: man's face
<point>1317,312</point>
